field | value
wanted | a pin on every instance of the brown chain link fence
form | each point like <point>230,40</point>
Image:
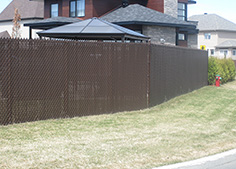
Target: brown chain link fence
<point>175,71</point>
<point>42,79</point>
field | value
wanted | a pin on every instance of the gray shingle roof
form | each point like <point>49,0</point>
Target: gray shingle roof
<point>213,22</point>
<point>89,27</point>
<point>4,34</point>
<point>142,15</point>
<point>227,44</point>
<point>27,9</point>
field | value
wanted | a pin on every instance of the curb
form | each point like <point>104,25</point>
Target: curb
<point>213,161</point>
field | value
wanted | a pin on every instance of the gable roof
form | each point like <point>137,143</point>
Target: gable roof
<point>27,9</point>
<point>213,22</point>
<point>4,34</point>
<point>138,14</point>
<point>92,28</point>
<point>227,44</point>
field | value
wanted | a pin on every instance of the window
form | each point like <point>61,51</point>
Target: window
<point>212,52</point>
<point>224,52</point>
<point>54,10</point>
<point>182,11</point>
<point>182,36</point>
<point>207,36</point>
<point>77,8</point>
<point>72,9</point>
<point>234,52</point>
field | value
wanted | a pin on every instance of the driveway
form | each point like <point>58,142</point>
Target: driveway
<point>226,160</point>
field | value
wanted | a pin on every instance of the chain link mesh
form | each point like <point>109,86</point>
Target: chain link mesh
<point>42,79</point>
<point>175,71</point>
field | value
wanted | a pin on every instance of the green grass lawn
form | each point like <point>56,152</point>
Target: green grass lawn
<point>187,127</point>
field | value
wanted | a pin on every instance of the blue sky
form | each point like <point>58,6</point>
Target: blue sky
<point>3,4</point>
<point>224,8</point>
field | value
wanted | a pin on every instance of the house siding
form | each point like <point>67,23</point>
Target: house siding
<point>171,8</point>
<point>192,41</point>
<point>209,43</point>
<point>157,33</point>
<point>93,8</point>
<point>224,36</point>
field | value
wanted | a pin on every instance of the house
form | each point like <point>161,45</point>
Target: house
<point>4,34</point>
<point>95,8</point>
<point>182,33</point>
<point>217,35</point>
<point>29,10</point>
<point>162,28</point>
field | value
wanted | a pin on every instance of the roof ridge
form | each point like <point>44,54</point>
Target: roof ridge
<point>87,24</point>
<point>213,22</point>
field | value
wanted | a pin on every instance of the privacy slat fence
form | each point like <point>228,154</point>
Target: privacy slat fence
<point>175,71</point>
<point>41,79</point>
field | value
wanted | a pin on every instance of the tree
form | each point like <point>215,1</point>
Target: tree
<point>16,25</point>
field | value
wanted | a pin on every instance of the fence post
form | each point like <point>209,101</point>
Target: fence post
<point>148,74</point>
<point>66,87</point>
<point>9,117</point>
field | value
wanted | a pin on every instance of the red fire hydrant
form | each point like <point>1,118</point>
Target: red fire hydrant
<point>218,78</point>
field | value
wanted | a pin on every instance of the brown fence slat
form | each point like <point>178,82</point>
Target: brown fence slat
<point>175,71</point>
<point>42,79</point>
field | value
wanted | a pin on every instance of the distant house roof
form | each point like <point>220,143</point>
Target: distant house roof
<point>27,9</point>
<point>94,29</point>
<point>138,14</point>
<point>51,22</point>
<point>4,34</point>
<point>213,22</point>
<point>227,44</point>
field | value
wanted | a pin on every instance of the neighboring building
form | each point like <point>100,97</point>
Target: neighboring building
<point>29,11</point>
<point>182,32</point>
<point>227,49</point>
<point>4,34</point>
<point>217,34</point>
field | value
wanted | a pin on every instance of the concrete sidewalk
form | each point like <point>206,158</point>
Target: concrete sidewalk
<point>226,160</point>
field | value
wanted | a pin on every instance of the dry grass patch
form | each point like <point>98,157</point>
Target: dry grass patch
<point>187,127</point>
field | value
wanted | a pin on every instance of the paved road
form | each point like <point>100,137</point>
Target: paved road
<point>226,160</point>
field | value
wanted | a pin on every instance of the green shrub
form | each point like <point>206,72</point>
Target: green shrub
<point>212,70</point>
<point>221,70</point>
<point>226,75</point>
<point>231,68</point>
<point>224,67</point>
